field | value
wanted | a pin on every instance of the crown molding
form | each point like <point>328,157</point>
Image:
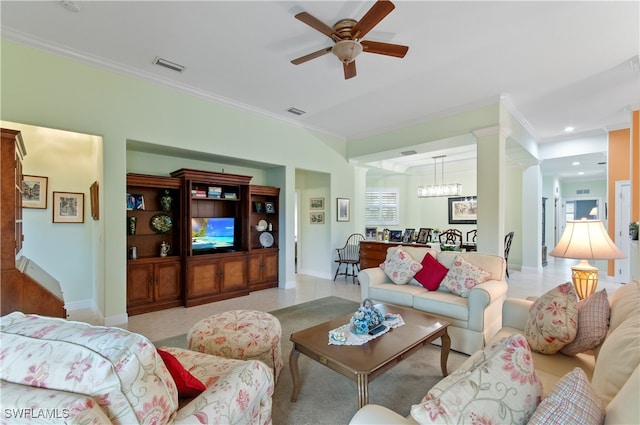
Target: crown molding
<point>118,68</point>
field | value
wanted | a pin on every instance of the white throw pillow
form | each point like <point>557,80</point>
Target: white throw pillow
<point>399,266</point>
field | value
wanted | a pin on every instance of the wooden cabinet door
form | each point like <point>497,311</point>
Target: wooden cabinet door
<point>203,278</point>
<point>234,276</point>
<point>167,281</point>
<point>270,266</point>
<point>254,268</point>
<point>139,284</point>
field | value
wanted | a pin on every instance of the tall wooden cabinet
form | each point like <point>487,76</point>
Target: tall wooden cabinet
<point>154,282</point>
<point>19,290</point>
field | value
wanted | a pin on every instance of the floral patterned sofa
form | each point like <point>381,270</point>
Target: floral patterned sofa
<point>58,371</point>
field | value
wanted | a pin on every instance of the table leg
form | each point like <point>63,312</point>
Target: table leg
<point>363,390</point>
<point>293,365</point>
<point>444,352</point>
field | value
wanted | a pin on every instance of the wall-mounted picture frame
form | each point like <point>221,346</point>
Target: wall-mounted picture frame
<point>463,210</point>
<point>270,207</point>
<point>258,206</point>
<point>316,217</point>
<point>68,207</point>
<point>343,209</point>
<point>316,203</point>
<point>34,192</point>
<point>370,233</point>
<point>95,205</point>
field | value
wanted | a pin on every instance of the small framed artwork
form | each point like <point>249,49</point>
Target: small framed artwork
<point>316,217</point>
<point>463,210</point>
<point>316,203</point>
<point>395,235</point>
<point>34,192</point>
<point>343,209</point>
<point>95,207</point>
<point>423,235</point>
<point>370,233</point>
<point>68,207</point>
<point>270,207</point>
<point>135,202</point>
<point>408,235</point>
<point>258,206</point>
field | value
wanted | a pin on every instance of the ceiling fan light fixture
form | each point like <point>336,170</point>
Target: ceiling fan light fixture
<point>347,50</point>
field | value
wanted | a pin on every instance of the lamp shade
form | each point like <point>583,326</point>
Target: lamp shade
<point>346,50</point>
<point>586,240</point>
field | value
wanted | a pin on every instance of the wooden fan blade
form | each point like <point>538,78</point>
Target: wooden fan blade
<point>395,50</point>
<point>370,19</point>
<point>310,56</point>
<point>349,70</point>
<point>317,24</point>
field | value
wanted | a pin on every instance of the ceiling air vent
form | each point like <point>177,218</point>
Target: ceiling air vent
<point>296,111</point>
<point>407,153</point>
<point>168,64</point>
<point>582,191</point>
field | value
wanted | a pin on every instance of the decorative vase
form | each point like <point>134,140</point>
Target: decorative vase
<point>131,225</point>
<point>166,201</point>
<point>365,318</point>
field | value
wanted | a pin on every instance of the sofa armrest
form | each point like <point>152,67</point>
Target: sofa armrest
<point>373,414</point>
<point>368,277</point>
<point>485,302</point>
<point>515,313</point>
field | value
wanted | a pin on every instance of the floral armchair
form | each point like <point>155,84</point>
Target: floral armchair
<point>77,373</point>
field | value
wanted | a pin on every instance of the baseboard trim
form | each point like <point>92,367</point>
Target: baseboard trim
<point>118,320</point>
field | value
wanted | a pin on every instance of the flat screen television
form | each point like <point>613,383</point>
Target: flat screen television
<point>212,234</point>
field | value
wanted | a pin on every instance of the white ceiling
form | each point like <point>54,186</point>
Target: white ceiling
<point>559,63</point>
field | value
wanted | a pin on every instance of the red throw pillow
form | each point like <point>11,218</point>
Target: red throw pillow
<point>188,385</point>
<point>432,273</point>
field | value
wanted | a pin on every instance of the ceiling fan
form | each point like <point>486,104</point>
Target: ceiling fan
<point>347,35</point>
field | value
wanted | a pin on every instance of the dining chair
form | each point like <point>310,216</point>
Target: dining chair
<point>451,236</point>
<point>349,255</point>
<point>508,238</point>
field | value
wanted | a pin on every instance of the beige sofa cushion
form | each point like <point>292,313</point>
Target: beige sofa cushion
<point>624,408</point>
<point>624,301</point>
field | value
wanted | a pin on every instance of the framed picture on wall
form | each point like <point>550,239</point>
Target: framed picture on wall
<point>68,207</point>
<point>343,209</point>
<point>316,203</point>
<point>34,192</point>
<point>463,210</point>
<point>316,217</point>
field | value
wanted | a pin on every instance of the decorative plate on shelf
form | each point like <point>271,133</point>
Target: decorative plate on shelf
<point>266,239</point>
<point>161,223</point>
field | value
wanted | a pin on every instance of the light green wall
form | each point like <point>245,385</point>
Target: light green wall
<point>45,90</point>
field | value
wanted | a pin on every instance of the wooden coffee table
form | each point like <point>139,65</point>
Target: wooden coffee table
<point>363,363</point>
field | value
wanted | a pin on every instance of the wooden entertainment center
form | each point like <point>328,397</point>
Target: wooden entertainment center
<point>195,270</point>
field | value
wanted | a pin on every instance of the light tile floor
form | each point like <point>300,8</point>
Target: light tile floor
<point>171,322</point>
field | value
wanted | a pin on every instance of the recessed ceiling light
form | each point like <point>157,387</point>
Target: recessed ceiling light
<point>580,173</point>
<point>575,163</point>
<point>568,129</point>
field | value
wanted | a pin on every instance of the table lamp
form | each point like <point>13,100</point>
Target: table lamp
<point>585,240</point>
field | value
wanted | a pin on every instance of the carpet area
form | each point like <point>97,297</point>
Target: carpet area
<point>328,398</point>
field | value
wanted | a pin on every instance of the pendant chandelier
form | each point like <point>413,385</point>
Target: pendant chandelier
<point>452,189</point>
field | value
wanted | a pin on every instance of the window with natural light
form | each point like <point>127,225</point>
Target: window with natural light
<point>381,207</point>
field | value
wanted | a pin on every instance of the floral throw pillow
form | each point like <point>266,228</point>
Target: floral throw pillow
<point>593,324</point>
<point>399,266</point>
<point>463,276</point>
<point>501,387</point>
<point>553,320</point>
<point>572,401</point>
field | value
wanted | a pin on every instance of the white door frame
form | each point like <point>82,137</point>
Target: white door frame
<point>623,218</point>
